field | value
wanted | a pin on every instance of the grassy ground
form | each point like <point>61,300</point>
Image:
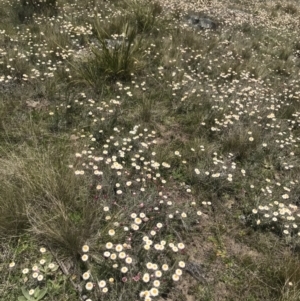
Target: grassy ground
<point>134,147</point>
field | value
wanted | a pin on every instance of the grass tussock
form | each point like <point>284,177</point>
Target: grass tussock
<point>112,59</point>
<point>41,195</point>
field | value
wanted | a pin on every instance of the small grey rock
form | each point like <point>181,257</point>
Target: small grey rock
<point>199,22</point>
<point>206,23</point>
<point>114,43</point>
<point>194,19</point>
<point>196,270</point>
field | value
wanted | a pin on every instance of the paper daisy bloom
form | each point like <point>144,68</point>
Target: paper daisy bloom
<point>86,276</point>
<point>35,274</point>
<point>137,220</point>
<point>149,265</point>
<point>119,248</point>
<point>178,272</point>
<point>154,266</point>
<point>146,277</point>
<point>124,270</point>
<point>40,277</point>
<point>122,255</point>
<point>108,245</point>
<point>42,261</point>
<point>31,292</point>
<point>102,283</point>
<point>85,248</point>
<point>105,290</point>
<point>175,277</point>
<point>89,286</point>
<point>147,247</point>
<point>128,260</point>
<point>144,294</point>
<point>12,264</point>
<point>175,249</point>
<point>156,283</point>
<point>180,246</point>
<point>154,292</point>
<point>84,257</point>
<point>111,232</point>
<point>181,264</point>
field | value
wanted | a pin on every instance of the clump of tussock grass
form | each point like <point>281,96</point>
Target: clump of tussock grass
<point>46,191</point>
<point>112,63</point>
<point>235,141</point>
<point>283,278</point>
<point>143,15</point>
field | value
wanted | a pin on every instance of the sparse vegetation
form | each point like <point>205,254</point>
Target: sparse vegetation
<point>143,158</point>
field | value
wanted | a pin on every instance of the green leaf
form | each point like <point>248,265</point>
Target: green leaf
<point>25,293</point>
<point>42,293</point>
<point>36,292</point>
<point>43,270</point>
<point>21,298</point>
